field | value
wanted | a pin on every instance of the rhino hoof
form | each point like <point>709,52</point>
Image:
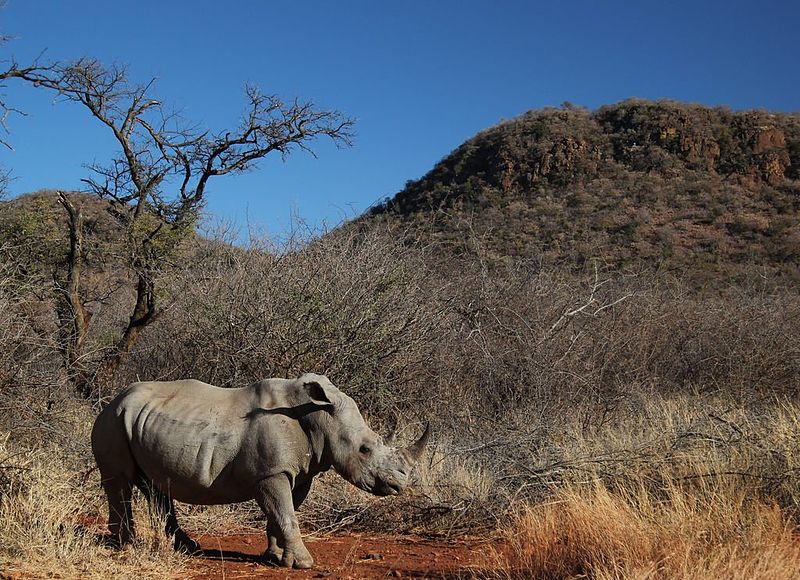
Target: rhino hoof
<point>302,565</point>
<point>273,558</point>
<point>291,561</point>
<point>186,545</point>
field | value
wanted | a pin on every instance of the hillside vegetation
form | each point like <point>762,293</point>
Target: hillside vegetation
<point>705,190</point>
<point>608,421</point>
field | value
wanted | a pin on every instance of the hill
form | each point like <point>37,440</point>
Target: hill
<point>640,182</point>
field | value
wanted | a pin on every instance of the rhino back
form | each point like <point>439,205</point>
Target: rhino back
<point>204,444</point>
<point>185,436</point>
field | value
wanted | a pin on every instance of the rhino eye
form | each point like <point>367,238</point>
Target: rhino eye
<point>365,450</point>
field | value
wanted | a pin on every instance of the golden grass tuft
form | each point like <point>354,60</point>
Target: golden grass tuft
<point>716,530</point>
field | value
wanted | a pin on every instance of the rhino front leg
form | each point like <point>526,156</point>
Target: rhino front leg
<point>275,498</point>
<point>274,552</point>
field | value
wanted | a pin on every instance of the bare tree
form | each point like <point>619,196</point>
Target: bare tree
<point>156,185</point>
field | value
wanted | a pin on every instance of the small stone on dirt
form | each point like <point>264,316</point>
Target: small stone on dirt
<point>373,556</point>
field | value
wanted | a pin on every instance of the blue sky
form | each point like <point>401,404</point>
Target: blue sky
<point>419,78</point>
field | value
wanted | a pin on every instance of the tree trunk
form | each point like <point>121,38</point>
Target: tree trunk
<point>73,314</point>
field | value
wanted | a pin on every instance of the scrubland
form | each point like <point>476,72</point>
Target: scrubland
<point>601,423</point>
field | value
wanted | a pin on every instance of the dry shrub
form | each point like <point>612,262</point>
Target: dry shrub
<point>719,531</point>
<point>522,336</point>
<point>355,307</point>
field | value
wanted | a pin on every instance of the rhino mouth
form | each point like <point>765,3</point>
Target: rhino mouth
<point>383,488</point>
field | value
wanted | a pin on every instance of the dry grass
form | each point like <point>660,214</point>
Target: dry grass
<point>680,487</point>
<point>45,531</point>
<point>717,531</point>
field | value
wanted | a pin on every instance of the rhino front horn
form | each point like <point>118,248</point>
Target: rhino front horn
<point>416,449</point>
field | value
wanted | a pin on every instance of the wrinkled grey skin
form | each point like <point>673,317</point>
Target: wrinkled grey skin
<point>200,444</point>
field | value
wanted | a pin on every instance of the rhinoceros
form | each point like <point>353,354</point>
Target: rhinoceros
<point>200,444</point>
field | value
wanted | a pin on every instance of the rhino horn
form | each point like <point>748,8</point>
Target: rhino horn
<point>416,449</point>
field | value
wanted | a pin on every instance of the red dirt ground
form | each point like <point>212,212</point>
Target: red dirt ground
<point>356,556</point>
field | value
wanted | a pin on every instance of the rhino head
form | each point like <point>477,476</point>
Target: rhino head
<point>354,450</point>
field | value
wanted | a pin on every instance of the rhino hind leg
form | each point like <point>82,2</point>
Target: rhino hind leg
<point>117,473</point>
<point>274,553</point>
<point>164,507</point>
<point>120,515</point>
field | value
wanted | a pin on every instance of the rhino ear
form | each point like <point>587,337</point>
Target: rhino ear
<point>317,393</point>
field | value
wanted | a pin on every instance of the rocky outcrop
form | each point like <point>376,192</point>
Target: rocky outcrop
<point>772,158</point>
<point>658,181</point>
<point>567,147</point>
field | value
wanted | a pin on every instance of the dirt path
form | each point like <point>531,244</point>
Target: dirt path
<point>366,556</point>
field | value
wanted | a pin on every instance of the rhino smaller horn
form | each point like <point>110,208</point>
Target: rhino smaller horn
<point>392,438</point>
<point>416,449</point>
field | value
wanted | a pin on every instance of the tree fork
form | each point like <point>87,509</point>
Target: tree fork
<point>144,312</point>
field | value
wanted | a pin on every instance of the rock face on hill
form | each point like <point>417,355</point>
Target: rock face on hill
<point>655,183</point>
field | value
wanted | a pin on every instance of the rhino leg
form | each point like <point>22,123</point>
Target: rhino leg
<point>164,507</point>
<point>274,495</point>
<point>117,474</point>
<point>274,552</point>
<point>183,542</point>
<point>120,515</point>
